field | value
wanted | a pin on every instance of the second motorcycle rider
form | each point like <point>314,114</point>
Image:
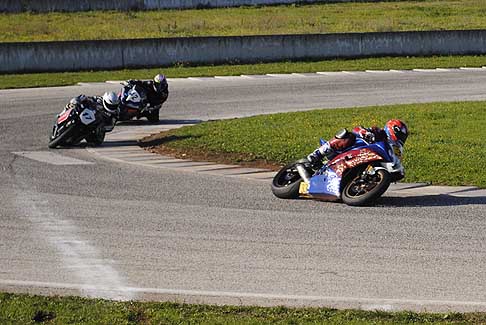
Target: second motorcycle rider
<point>152,92</point>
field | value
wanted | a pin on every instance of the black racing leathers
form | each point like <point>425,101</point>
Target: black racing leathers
<point>95,103</point>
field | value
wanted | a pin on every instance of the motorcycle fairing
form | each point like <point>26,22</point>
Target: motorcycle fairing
<point>351,159</point>
<point>87,116</point>
<point>325,185</point>
<point>64,116</point>
<point>131,110</point>
<point>132,97</point>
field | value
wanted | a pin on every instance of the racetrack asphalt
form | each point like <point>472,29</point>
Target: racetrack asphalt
<point>99,227</point>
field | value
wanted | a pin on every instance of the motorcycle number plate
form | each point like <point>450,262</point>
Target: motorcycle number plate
<point>133,96</point>
<point>304,188</point>
<point>87,116</point>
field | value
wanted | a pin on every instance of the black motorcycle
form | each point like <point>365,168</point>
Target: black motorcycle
<point>134,104</point>
<point>75,124</point>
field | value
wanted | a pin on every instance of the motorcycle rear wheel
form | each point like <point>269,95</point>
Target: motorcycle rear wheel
<point>97,137</point>
<point>286,183</point>
<point>363,190</point>
<point>153,116</point>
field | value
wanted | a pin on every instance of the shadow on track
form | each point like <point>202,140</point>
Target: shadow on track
<point>135,124</point>
<point>439,200</point>
<point>164,140</point>
<point>116,143</point>
<point>161,122</point>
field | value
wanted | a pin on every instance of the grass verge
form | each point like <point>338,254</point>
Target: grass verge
<point>445,146</point>
<point>286,19</point>
<point>70,78</point>
<point>25,309</point>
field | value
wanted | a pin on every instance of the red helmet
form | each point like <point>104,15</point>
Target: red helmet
<point>396,131</point>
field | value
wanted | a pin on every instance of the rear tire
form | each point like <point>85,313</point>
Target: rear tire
<point>97,137</point>
<point>286,183</point>
<point>360,192</point>
<point>153,116</point>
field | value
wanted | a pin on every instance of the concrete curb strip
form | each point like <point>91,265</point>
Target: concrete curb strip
<point>319,74</point>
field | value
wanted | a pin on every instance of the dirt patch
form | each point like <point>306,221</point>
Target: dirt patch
<point>156,144</point>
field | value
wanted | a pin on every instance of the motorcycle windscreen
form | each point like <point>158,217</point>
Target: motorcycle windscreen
<point>325,186</point>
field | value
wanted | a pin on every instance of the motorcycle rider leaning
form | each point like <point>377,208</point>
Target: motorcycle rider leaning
<point>395,131</point>
<point>107,105</point>
<point>153,92</point>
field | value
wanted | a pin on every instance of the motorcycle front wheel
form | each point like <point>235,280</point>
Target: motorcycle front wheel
<point>363,189</point>
<point>58,140</point>
<point>286,183</point>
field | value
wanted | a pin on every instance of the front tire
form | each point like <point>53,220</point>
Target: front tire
<point>362,189</point>
<point>286,183</point>
<point>54,142</point>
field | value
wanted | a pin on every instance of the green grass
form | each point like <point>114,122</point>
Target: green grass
<point>70,78</point>
<point>317,18</point>
<point>24,309</point>
<point>446,145</point>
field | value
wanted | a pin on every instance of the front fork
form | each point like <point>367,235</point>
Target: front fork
<point>304,174</point>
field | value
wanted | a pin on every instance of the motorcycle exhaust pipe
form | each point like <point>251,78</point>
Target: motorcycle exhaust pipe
<point>303,173</point>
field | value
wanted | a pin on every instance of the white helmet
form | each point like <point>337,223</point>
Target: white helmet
<point>111,102</point>
<point>160,83</point>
